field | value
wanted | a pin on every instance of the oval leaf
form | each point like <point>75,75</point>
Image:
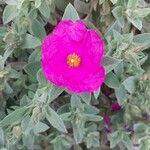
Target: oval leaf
<point>55,120</point>
<point>70,13</point>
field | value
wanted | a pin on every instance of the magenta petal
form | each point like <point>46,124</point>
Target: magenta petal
<point>106,119</point>
<point>115,106</point>
<point>68,38</point>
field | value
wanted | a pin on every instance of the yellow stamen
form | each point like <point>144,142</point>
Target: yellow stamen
<point>73,60</point>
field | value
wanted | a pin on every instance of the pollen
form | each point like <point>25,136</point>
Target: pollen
<point>73,60</point>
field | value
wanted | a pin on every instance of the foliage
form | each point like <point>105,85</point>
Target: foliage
<point>35,114</point>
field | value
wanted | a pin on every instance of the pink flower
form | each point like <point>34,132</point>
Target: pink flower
<point>71,57</point>
<point>106,119</point>
<point>115,106</point>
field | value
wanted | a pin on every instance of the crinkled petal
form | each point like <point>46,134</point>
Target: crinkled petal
<point>68,38</point>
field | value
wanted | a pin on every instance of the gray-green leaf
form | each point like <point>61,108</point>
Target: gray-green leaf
<point>86,97</point>
<point>110,63</point>
<point>40,127</point>
<point>130,84</point>
<point>10,13</point>
<point>14,116</point>
<point>55,120</point>
<point>112,81</point>
<point>70,13</point>
<point>30,42</point>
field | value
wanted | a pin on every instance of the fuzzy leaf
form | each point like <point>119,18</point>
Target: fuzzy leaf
<point>32,69</point>
<point>54,92</point>
<point>86,97</point>
<point>10,13</point>
<point>11,2</point>
<point>2,141</point>
<point>137,22</point>
<point>130,84</point>
<point>78,133</point>
<point>110,63</point>
<point>30,42</point>
<point>38,29</point>
<point>111,80</point>
<point>38,3</point>
<point>14,116</point>
<point>44,9</point>
<point>70,13</point>
<point>40,127</point>
<point>118,14</point>
<point>132,4</point>
<point>143,39</point>
<point>54,119</point>
<point>121,93</point>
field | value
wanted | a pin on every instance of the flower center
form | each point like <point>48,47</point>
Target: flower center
<point>73,60</point>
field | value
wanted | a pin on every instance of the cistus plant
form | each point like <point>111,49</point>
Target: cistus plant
<point>74,74</point>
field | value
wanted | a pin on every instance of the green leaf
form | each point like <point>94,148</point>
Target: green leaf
<point>112,27</point>
<point>7,53</point>
<point>139,128</point>
<point>44,9</point>
<point>118,14</point>
<point>137,22</point>
<point>115,138</point>
<point>28,140</point>
<point>54,92</point>
<point>92,140</point>
<point>11,2</point>
<point>8,89</point>
<point>144,143</point>
<point>78,133</point>
<point>91,117</point>
<point>20,3</point>
<point>117,36</point>
<point>89,109</point>
<point>10,13</point>
<point>40,127</point>
<point>2,63</point>
<point>37,3</point>
<point>76,102</point>
<point>127,142</point>
<point>2,140</point>
<point>15,116</point>
<point>143,39</point>
<point>32,69</point>
<point>55,120</point>
<point>110,63</point>
<point>121,94</point>
<point>35,56</point>
<point>132,4</point>
<point>70,13</point>
<point>119,69</point>
<point>41,79</point>
<point>86,97</point>
<point>130,84</point>
<point>30,42</point>
<point>96,93</point>
<point>112,81</point>
<point>142,12</point>
<point>38,29</point>
<point>3,31</point>
<point>27,124</point>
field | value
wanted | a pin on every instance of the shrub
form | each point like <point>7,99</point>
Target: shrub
<point>36,114</point>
